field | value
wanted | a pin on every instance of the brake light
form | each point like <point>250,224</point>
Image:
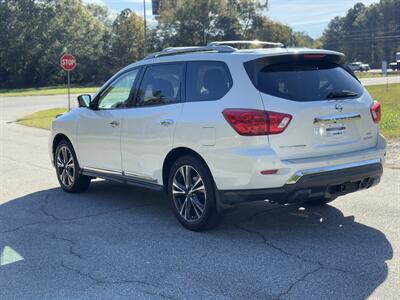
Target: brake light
<point>251,122</point>
<point>313,56</point>
<point>376,112</point>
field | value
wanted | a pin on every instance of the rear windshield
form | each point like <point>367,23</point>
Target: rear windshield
<point>303,80</point>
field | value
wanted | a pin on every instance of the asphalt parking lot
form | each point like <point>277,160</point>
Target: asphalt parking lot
<point>120,242</point>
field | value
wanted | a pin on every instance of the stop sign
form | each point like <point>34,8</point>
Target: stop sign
<point>68,62</point>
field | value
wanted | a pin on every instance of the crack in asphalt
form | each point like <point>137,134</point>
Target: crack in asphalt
<point>22,226</point>
<point>46,212</point>
<point>99,281</point>
<point>72,244</point>
<point>69,241</point>
<point>306,260</point>
<point>319,265</point>
<point>58,220</point>
<point>301,279</point>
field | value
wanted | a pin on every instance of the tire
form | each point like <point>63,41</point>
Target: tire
<point>192,194</point>
<point>319,201</point>
<point>68,170</point>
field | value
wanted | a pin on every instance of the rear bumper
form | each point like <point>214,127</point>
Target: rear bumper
<point>313,183</point>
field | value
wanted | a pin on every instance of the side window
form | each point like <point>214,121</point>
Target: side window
<point>207,80</point>
<point>161,84</point>
<point>117,93</point>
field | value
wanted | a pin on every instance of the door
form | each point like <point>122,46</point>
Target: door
<point>148,128</point>
<point>99,130</point>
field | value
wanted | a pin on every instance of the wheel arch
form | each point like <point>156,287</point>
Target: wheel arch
<point>57,139</point>
<point>173,155</point>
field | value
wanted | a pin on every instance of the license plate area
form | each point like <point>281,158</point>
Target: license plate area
<point>335,131</point>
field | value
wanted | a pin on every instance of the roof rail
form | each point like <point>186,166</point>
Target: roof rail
<point>182,50</point>
<point>254,43</point>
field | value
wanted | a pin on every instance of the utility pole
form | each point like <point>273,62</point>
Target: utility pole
<point>145,29</point>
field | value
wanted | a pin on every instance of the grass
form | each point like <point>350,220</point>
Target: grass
<point>47,91</point>
<point>41,119</point>
<point>389,97</point>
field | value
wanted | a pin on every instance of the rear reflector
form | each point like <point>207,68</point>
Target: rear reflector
<point>269,172</point>
<point>252,122</point>
<point>376,112</point>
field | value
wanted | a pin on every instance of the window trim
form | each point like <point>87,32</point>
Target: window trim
<point>132,92</point>
<point>182,91</point>
<point>208,61</point>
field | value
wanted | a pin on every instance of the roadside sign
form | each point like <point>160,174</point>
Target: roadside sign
<point>384,67</point>
<point>68,63</point>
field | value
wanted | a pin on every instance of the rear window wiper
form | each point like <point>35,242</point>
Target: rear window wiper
<point>341,94</point>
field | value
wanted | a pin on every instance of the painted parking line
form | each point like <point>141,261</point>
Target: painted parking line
<point>9,256</point>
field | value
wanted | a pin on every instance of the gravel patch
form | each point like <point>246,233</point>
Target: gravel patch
<point>393,154</point>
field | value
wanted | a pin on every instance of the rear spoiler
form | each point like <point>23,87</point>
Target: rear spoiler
<point>332,57</point>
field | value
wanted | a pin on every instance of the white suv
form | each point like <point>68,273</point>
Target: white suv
<point>216,126</point>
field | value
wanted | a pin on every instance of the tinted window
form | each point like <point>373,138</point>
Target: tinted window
<point>117,94</point>
<point>161,84</point>
<point>304,80</point>
<point>207,81</point>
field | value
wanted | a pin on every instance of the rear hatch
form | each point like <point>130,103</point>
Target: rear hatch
<point>330,108</point>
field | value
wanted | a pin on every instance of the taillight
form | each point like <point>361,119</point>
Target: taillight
<point>376,112</point>
<point>256,122</point>
<point>278,122</point>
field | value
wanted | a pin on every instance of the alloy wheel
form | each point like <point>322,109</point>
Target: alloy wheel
<point>189,193</point>
<point>66,166</point>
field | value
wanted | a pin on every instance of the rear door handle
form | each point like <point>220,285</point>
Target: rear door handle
<point>114,123</point>
<point>167,122</point>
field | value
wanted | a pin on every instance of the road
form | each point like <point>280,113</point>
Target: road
<point>380,80</point>
<point>119,242</point>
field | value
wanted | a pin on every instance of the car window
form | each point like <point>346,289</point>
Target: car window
<point>116,95</point>
<point>161,84</point>
<point>304,80</point>
<point>207,80</point>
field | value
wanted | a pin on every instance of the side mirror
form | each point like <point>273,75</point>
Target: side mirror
<point>84,100</point>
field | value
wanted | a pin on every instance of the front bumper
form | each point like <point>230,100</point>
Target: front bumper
<point>313,183</point>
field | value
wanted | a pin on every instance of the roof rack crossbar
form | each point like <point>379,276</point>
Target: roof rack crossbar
<point>221,47</point>
<point>255,42</point>
<point>182,50</point>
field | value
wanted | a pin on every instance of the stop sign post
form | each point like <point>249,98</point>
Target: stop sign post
<point>68,63</point>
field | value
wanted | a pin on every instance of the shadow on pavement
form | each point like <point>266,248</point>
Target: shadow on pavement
<point>121,242</point>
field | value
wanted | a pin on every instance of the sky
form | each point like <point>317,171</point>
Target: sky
<point>310,16</point>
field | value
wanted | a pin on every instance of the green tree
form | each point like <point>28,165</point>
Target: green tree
<point>21,37</point>
<point>370,34</point>
<point>37,33</point>
<point>268,30</point>
<point>74,29</point>
<point>127,39</point>
<point>186,22</point>
<point>191,22</point>
<point>100,12</point>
